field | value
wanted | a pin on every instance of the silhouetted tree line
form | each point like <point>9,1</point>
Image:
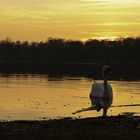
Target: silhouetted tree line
<point>62,55</point>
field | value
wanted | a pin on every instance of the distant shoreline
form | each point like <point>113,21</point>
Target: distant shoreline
<point>121,71</point>
<point>58,56</point>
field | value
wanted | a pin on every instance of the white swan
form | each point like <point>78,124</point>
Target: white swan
<point>101,94</point>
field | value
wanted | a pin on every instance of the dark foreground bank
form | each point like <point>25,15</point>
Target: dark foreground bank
<point>99,128</point>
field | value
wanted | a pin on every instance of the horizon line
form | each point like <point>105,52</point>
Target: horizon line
<point>113,38</point>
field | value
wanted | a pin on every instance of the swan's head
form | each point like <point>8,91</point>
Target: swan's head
<point>106,72</point>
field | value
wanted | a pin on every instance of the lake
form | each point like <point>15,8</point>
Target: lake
<point>42,97</point>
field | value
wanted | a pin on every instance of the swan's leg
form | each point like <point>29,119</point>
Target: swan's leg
<point>105,107</point>
<point>104,112</point>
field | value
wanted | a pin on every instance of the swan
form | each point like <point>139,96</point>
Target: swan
<point>101,94</point>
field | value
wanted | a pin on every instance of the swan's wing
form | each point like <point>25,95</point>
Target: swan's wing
<point>97,90</point>
<point>96,95</point>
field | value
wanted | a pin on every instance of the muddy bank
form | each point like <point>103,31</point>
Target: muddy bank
<point>100,128</point>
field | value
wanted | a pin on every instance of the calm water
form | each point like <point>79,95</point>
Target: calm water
<point>42,97</point>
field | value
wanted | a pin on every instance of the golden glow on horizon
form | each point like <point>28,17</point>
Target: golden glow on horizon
<point>70,19</point>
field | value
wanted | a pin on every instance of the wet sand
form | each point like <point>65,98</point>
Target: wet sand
<point>122,127</point>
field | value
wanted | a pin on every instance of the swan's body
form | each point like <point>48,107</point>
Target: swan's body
<point>97,97</point>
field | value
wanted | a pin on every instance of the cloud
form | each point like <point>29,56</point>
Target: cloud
<point>109,1</point>
<point>95,1</point>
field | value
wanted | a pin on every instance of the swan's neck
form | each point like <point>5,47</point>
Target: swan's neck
<point>106,94</point>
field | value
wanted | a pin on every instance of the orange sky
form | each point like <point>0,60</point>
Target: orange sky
<point>71,19</point>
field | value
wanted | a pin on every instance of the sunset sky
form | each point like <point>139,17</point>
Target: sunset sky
<point>70,19</point>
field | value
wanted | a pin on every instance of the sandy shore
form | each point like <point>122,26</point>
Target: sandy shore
<point>100,128</point>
